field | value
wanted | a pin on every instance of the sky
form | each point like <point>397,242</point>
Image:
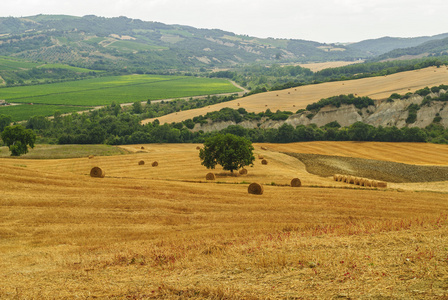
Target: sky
<point>327,21</point>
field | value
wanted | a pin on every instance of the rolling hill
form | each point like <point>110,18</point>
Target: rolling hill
<point>298,98</point>
<point>116,43</point>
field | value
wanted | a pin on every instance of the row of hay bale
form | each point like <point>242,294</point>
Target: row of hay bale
<point>257,189</point>
<point>154,163</point>
<point>100,173</point>
<point>359,181</point>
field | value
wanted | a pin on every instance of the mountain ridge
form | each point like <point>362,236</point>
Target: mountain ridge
<point>123,43</point>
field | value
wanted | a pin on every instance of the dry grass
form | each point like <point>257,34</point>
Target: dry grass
<point>166,233</point>
<point>299,97</point>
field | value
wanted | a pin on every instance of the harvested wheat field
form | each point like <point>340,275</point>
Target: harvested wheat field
<point>167,233</point>
<point>315,67</point>
<point>297,98</point>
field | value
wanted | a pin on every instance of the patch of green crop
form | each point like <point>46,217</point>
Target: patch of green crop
<point>25,111</point>
<point>119,89</point>
<point>8,63</point>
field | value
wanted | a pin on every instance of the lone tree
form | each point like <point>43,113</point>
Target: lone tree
<point>230,151</point>
<point>17,138</point>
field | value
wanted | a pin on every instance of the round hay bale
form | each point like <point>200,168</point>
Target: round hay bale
<point>374,183</point>
<point>264,162</point>
<point>97,172</point>
<point>335,177</point>
<point>382,184</point>
<point>362,181</point>
<point>255,188</point>
<point>368,183</point>
<point>198,148</point>
<point>351,179</point>
<point>357,181</point>
<point>243,171</point>
<point>210,176</point>
<point>260,156</point>
<point>155,164</point>
<point>142,148</point>
<point>141,163</point>
<point>295,182</point>
<point>91,156</point>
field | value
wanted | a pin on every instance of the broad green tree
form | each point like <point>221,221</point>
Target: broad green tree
<point>5,121</point>
<point>230,151</point>
<point>18,138</point>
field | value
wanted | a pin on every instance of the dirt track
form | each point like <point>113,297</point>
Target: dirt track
<point>325,165</point>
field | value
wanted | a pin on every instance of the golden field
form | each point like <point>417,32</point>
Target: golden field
<point>164,232</point>
<point>298,98</point>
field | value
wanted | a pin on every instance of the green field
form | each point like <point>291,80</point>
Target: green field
<point>24,112</point>
<point>8,63</point>
<point>119,89</point>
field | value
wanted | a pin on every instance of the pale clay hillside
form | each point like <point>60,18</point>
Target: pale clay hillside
<point>377,88</point>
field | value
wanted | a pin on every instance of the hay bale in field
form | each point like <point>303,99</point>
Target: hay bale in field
<point>260,156</point>
<point>264,162</point>
<point>344,178</point>
<point>210,176</point>
<point>368,183</point>
<point>351,179</point>
<point>97,172</point>
<point>374,183</point>
<point>155,164</point>
<point>243,171</point>
<point>141,163</point>
<point>336,177</point>
<point>357,181</point>
<point>255,188</point>
<point>198,148</point>
<point>263,148</point>
<point>382,184</point>
<point>142,148</point>
<point>91,156</point>
<point>295,182</point>
<point>362,181</point>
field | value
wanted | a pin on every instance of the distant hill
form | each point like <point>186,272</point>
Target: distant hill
<point>383,45</point>
<point>431,48</point>
<point>117,43</point>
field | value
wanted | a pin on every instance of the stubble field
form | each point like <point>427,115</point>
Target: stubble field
<point>165,232</point>
<point>298,98</point>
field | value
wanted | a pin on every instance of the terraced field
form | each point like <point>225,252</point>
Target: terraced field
<point>165,232</point>
<point>297,98</point>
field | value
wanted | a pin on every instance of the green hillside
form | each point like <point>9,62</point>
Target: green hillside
<point>121,43</point>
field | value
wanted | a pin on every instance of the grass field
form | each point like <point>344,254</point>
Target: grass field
<point>9,63</point>
<point>24,112</point>
<point>297,98</point>
<point>119,89</point>
<point>164,232</point>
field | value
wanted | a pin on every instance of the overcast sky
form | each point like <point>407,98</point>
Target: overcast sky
<point>317,20</point>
